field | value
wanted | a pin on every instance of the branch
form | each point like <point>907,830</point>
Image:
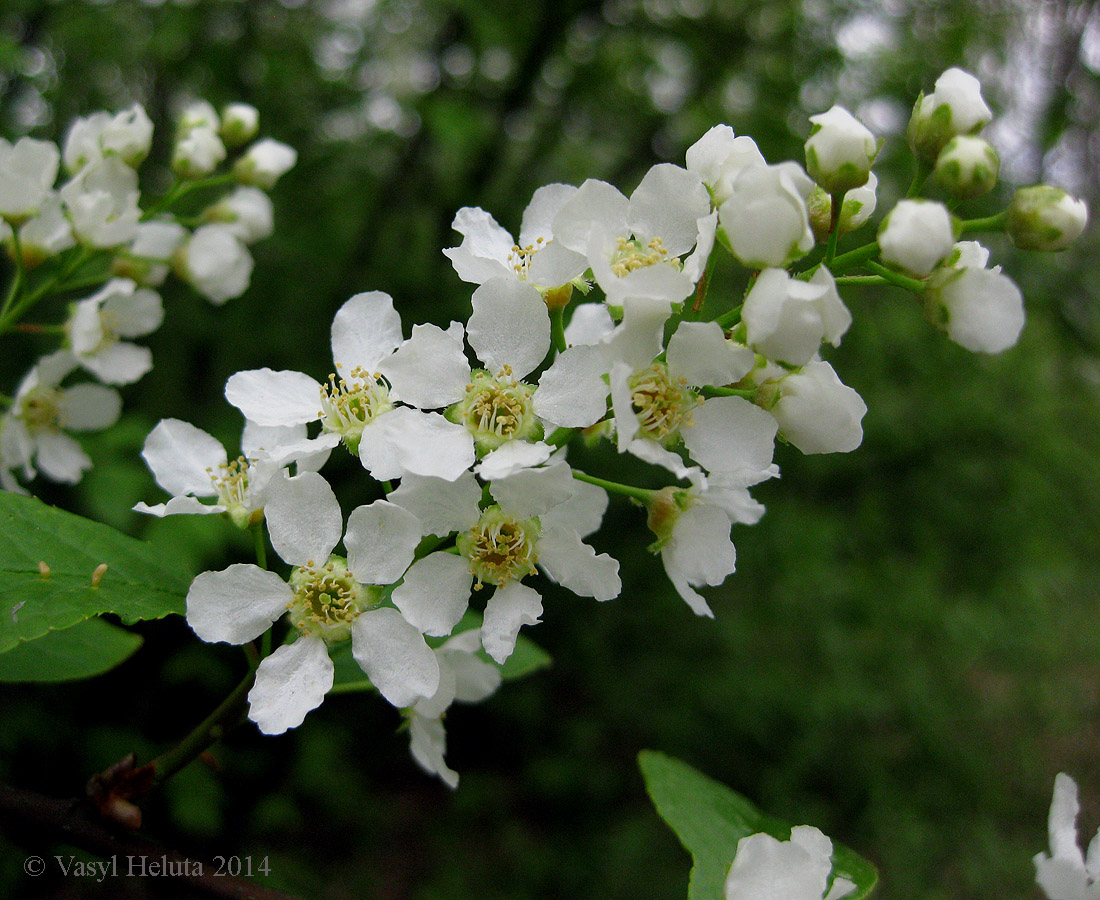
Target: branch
<point>26,814</point>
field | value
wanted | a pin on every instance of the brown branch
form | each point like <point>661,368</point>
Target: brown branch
<point>26,814</point>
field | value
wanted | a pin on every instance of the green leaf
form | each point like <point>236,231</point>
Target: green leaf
<point>709,819</point>
<point>48,561</point>
<point>526,659</point>
<point>87,649</point>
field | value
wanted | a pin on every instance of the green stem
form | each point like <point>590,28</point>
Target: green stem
<point>259,543</point>
<point>730,318</point>
<point>351,687</point>
<point>557,329</point>
<point>747,393</point>
<point>836,204</point>
<point>860,279</point>
<point>637,493</point>
<point>559,437</point>
<point>17,279</point>
<point>183,188</point>
<point>989,223</point>
<point>923,171</point>
<point>704,283</point>
<point>854,257</point>
<point>229,714</point>
<point>910,284</point>
<point>37,328</point>
<point>11,314</point>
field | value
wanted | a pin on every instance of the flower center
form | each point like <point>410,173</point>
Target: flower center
<point>661,404</point>
<point>40,409</point>
<point>520,257</point>
<point>347,406</point>
<point>499,548</point>
<point>327,599</point>
<point>497,409</point>
<point>230,481</point>
<point>631,254</point>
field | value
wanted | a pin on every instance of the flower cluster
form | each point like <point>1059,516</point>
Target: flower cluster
<point>90,241</point>
<point>597,323</point>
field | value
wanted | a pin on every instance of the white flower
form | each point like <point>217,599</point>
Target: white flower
<point>247,212</point>
<point>197,153</point>
<point>817,412</point>
<point>980,309</point>
<point>786,318</point>
<point>765,215</point>
<point>33,429</point>
<point>538,519</point>
<point>264,163</point>
<point>1043,217</point>
<point>839,151</point>
<point>47,234</point>
<point>488,251</point>
<point>718,157</point>
<point>240,122</point>
<point>463,677</point>
<point>102,202</point>
<point>151,251</point>
<point>797,869</point>
<point>127,135</point>
<point>1067,874</point>
<point>118,310</point>
<point>216,263</point>
<point>634,246</point>
<point>27,172</point>
<point>916,236</point>
<point>191,464</point>
<point>330,600</point>
<point>955,107</point>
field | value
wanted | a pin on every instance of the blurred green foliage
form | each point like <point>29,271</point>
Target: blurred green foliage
<point>910,649</point>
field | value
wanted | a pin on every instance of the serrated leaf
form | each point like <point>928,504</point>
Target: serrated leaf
<point>48,558</point>
<point>709,819</point>
<point>89,648</point>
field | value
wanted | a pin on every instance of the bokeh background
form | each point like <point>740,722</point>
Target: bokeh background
<point>910,649</point>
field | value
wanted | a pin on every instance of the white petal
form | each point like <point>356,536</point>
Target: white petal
<point>699,353</point>
<point>510,608</point>
<point>441,506</point>
<point>555,265</point>
<point>429,370</point>
<point>365,330</point>
<point>136,314</point>
<point>237,604</point>
<point>696,264</point>
<point>289,684</point>
<point>700,546</point>
<point>381,541</point>
<point>538,218</point>
<point>513,457</point>
<point>589,324</point>
<point>60,457</point>
<point>667,204</point>
<point>595,204</point>
<point>428,743</point>
<point>572,392</point>
<point>120,363</point>
<point>730,434</point>
<point>265,440</point>
<point>303,519</point>
<point>89,407</point>
<point>509,326</point>
<point>652,452</point>
<point>395,656</point>
<point>406,440</point>
<point>531,492</point>
<point>582,512</point>
<point>268,397</point>
<point>1062,822</point>
<point>485,247</point>
<point>640,336</point>
<point>435,592</point>
<point>475,679</point>
<point>181,456</point>
<point>575,565</point>
<point>177,506</point>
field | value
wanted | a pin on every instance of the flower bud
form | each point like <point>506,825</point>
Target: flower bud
<point>1045,218</point>
<point>765,215</point>
<point>840,151</point>
<point>817,412</point>
<point>955,107</point>
<point>215,263</point>
<point>240,122</point>
<point>916,236</point>
<point>197,153</point>
<point>980,309</point>
<point>967,167</point>
<point>858,206</point>
<point>264,163</point>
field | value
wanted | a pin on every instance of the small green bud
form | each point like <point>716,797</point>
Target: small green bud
<point>1043,217</point>
<point>967,167</point>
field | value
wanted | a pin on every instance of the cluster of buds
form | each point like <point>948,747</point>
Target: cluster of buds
<point>595,324</point>
<point>90,242</point>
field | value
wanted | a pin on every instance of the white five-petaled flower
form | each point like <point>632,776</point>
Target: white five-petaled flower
<point>27,172</point>
<point>797,869</point>
<point>488,251</point>
<point>120,309</point>
<point>330,600</point>
<point>102,203</point>
<point>127,135</point>
<point>1067,873</point>
<point>634,246</point>
<point>538,518</point>
<point>191,464</point>
<point>32,431</point>
<point>357,405</point>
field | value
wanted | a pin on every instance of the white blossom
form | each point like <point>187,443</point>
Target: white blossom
<point>197,153</point>
<point>120,309</point>
<point>796,869</point>
<point>786,318</point>
<point>264,163</point>
<point>102,202</point>
<point>719,156</point>
<point>246,211</point>
<point>980,309</point>
<point>27,172</point>
<point>955,107</point>
<point>215,262</point>
<point>916,236</point>
<point>127,135</point>
<point>817,412</point>
<point>765,216</point>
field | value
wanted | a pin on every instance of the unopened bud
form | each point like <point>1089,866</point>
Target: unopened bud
<point>1045,218</point>
<point>240,122</point>
<point>955,107</point>
<point>840,151</point>
<point>967,167</point>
